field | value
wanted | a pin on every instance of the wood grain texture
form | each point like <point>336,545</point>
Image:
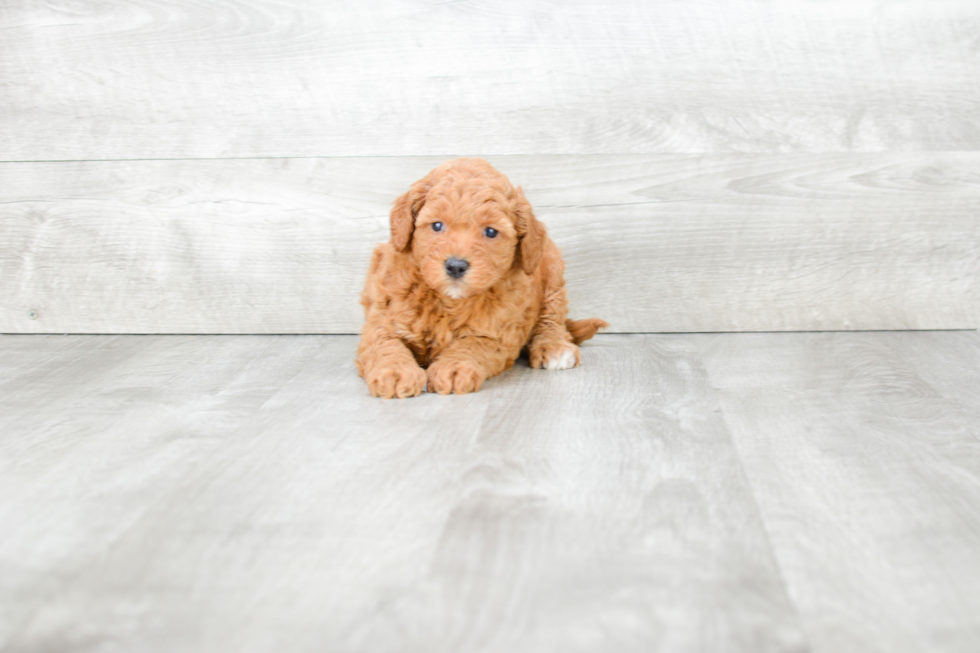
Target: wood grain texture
<point>245,493</point>
<point>866,474</point>
<point>616,523</point>
<point>236,78</point>
<point>951,365</point>
<point>142,413</point>
<point>653,243</point>
<point>714,492</point>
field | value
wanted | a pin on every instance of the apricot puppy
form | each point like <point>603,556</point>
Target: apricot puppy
<point>469,279</point>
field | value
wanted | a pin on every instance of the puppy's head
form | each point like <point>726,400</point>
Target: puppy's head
<point>466,228</point>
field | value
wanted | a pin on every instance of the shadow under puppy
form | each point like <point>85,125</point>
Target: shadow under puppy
<point>469,279</point>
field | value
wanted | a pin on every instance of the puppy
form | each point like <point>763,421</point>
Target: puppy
<point>469,280</point>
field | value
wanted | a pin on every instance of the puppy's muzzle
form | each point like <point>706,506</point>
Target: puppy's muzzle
<point>456,267</point>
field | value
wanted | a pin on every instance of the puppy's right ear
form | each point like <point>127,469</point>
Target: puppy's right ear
<point>404,212</point>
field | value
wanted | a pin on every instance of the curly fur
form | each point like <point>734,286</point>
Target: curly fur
<point>426,330</point>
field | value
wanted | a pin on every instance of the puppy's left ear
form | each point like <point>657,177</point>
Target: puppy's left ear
<point>531,235</point>
<point>404,211</point>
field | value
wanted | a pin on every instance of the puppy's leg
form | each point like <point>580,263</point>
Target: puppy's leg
<point>388,366</point>
<point>465,364</point>
<point>552,347</point>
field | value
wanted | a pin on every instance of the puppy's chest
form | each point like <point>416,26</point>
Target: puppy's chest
<point>430,333</point>
<point>433,327</point>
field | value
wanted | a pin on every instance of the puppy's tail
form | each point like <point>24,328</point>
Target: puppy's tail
<point>582,330</point>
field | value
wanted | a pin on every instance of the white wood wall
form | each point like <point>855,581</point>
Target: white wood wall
<point>225,167</point>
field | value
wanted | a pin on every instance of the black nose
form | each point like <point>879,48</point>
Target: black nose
<point>456,267</point>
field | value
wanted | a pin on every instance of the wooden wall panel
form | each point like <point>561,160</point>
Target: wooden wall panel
<point>173,166</point>
<point>249,78</point>
<point>653,242</point>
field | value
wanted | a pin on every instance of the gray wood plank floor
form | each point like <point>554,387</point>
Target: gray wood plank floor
<point>736,492</point>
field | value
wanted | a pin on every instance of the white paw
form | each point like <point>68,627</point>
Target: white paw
<point>564,361</point>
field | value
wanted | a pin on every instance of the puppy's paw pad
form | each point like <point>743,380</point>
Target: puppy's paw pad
<point>555,356</point>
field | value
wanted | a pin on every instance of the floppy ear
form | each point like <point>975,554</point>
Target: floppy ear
<point>531,235</point>
<point>404,212</point>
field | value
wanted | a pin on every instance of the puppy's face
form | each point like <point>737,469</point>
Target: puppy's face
<point>465,237</point>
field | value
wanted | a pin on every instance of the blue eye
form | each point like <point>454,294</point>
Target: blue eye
<point>436,226</point>
<point>490,232</point>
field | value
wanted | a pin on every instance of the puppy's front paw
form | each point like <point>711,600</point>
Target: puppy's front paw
<point>397,381</point>
<point>555,355</point>
<point>454,376</point>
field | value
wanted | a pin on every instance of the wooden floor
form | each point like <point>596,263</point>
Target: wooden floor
<point>751,492</point>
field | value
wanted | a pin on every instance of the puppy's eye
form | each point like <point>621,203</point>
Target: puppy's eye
<point>437,226</point>
<point>490,232</point>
